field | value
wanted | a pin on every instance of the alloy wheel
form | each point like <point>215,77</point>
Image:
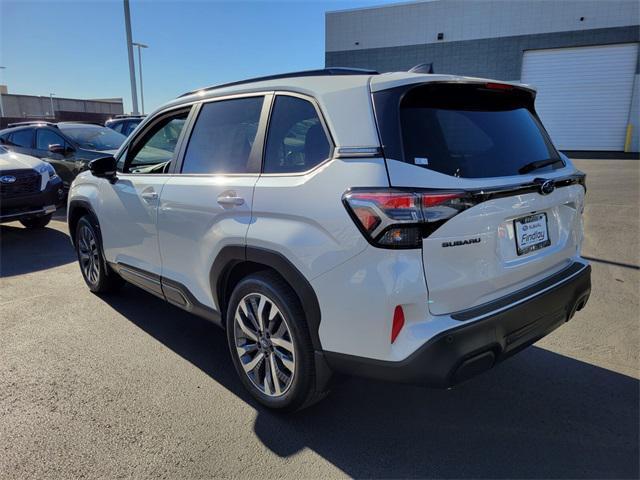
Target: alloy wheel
<point>89,255</point>
<point>264,345</point>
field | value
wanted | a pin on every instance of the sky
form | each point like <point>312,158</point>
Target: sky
<point>78,49</point>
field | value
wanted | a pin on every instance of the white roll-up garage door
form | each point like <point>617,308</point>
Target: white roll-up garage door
<point>584,93</point>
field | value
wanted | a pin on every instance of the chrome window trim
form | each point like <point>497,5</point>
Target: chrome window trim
<point>196,105</point>
<point>358,152</point>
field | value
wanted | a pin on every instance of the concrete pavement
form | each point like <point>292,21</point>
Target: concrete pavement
<point>127,386</point>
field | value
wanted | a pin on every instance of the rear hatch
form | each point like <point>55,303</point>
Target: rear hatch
<point>511,213</point>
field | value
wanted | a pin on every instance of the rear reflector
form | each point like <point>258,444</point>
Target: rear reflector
<point>398,323</point>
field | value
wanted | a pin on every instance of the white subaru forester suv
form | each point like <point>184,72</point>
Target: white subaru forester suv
<point>403,226</point>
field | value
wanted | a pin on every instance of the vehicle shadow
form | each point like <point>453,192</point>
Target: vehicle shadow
<point>537,415</point>
<point>25,251</point>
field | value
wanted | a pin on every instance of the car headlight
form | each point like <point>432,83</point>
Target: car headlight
<point>47,168</point>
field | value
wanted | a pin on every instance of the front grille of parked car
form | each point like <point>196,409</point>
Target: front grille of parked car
<point>26,182</point>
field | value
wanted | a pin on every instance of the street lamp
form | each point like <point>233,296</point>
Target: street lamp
<point>51,95</point>
<point>140,47</point>
<point>132,70</point>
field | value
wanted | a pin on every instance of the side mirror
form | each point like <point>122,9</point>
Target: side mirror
<point>58,149</point>
<point>104,167</point>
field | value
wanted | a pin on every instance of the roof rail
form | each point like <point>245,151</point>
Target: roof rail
<point>29,122</point>
<point>324,72</point>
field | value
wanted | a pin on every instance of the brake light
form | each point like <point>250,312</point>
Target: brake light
<point>498,86</point>
<point>400,219</point>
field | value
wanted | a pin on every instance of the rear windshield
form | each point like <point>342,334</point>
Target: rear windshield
<point>467,131</point>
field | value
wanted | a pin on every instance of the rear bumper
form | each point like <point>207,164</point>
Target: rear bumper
<point>33,205</point>
<point>481,341</point>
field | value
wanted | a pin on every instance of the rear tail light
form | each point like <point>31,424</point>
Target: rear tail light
<point>499,86</point>
<point>392,218</point>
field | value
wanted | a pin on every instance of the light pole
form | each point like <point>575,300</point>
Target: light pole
<point>1,106</point>
<point>53,115</point>
<point>132,69</point>
<point>140,47</point>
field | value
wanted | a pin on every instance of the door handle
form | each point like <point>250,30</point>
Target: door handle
<point>151,195</point>
<point>230,199</point>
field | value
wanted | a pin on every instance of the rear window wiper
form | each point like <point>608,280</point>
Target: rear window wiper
<point>530,167</point>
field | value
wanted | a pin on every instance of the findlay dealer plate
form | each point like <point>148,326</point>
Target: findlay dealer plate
<point>532,233</point>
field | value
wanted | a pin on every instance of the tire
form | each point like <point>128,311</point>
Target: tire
<point>95,271</point>
<point>36,222</point>
<point>292,355</point>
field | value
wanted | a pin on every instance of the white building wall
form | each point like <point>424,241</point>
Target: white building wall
<point>634,117</point>
<point>420,23</point>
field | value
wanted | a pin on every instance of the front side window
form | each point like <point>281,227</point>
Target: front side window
<point>296,141</point>
<point>22,138</point>
<point>45,138</point>
<point>224,136</point>
<point>155,151</point>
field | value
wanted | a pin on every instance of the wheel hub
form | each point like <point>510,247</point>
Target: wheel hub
<point>265,344</point>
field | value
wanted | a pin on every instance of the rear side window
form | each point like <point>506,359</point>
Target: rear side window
<point>22,138</point>
<point>470,131</point>
<point>296,141</point>
<point>224,136</point>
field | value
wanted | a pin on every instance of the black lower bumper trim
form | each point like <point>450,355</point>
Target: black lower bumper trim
<point>475,346</point>
<point>515,297</point>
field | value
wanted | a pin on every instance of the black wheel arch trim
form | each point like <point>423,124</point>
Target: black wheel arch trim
<point>232,255</point>
<point>84,205</point>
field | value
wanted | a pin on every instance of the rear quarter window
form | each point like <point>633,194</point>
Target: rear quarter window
<point>296,141</point>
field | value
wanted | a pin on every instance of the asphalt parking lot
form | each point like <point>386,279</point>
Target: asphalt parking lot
<point>130,387</point>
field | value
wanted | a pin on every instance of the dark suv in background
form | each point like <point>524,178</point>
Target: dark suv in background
<point>124,124</point>
<point>67,146</point>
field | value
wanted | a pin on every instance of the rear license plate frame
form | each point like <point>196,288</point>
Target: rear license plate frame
<point>524,221</point>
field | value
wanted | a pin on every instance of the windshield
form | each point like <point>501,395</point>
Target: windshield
<point>93,137</point>
<point>472,132</point>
